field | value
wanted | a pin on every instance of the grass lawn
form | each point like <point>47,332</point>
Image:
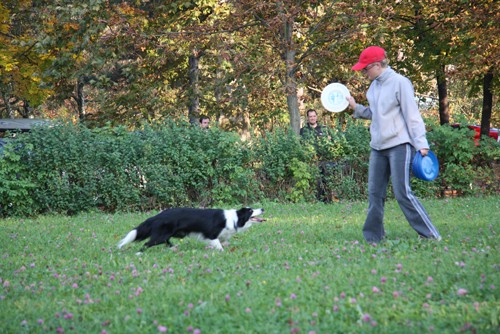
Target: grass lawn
<point>305,270</point>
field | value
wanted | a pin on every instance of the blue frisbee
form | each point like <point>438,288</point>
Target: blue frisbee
<point>425,168</point>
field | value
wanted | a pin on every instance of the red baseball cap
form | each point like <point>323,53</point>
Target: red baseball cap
<point>369,55</point>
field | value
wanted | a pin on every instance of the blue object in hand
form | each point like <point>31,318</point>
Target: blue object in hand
<point>425,168</point>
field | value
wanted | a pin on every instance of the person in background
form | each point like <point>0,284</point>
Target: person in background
<point>204,122</point>
<point>313,128</point>
<point>313,132</point>
<point>397,130</point>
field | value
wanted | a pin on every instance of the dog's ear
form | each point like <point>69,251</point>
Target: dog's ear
<point>244,215</point>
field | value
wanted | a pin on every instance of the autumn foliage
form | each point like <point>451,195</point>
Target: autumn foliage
<point>250,65</point>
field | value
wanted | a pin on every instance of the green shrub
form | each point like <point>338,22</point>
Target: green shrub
<point>15,190</point>
<point>283,163</point>
<point>303,177</point>
<point>347,180</point>
<point>72,169</point>
<point>60,162</point>
<point>69,168</point>
<point>344,160</point>
<point>465,167</point>
<point>182,164</point>
<point>357,137</point>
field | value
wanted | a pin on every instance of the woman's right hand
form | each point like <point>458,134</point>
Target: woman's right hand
<point>352,102</point>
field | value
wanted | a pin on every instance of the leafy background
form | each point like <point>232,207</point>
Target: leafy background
<point>250,65</point>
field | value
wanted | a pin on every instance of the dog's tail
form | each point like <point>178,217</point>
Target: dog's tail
<point>139,233</point>
<point>128,239</point>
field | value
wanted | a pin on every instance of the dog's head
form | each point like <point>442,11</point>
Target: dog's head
<point>248,216</point>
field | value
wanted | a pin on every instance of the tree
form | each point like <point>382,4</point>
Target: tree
<point>478,35</point>
<point>253,64</point>
<point>424,44</point>
<point>458,35</point>
<point>487,102</point>
<point>293,30</point>
<point>22,84</point>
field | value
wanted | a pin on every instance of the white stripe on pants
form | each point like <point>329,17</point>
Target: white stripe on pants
<point>394,163</point>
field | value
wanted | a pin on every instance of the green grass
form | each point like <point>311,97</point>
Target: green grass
<point>305,270</point>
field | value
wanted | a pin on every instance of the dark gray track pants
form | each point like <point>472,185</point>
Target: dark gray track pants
<point>395,163</point>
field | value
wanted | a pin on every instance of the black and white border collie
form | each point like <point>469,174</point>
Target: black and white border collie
<point>210,225</point>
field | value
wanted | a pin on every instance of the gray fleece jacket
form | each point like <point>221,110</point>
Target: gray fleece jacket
<point>394,113</point>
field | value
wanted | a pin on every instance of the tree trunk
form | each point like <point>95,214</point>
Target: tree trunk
<point>194,97</point>
<point>290,83</point>
<point>444,104</point>
<point>487,103</point>
<point>6,101</point>
<point>293,104</point>
<point>245,126</point>
<point>219,86</point>
<point>80,98</point>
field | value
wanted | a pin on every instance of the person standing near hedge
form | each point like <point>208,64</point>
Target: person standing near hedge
<point>314,132</point>
<point>396,129</point>
<point>204,122</point>
<point>313,129</point>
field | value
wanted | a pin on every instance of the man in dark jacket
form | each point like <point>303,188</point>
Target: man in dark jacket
<point>313,132</point>
<point>312,128</point>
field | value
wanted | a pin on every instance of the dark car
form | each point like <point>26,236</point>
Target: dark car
<point>19,124</point>
<point>3,142</point>
<point>16,125</point>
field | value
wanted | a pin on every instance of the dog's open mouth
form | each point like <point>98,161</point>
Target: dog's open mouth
<point>255,216</point>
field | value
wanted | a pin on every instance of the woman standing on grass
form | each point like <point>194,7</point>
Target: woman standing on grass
<point>396,129</point>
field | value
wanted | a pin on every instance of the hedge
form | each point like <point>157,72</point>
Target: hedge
<point>67,168</point>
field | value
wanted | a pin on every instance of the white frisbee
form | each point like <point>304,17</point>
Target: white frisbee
<point>333,97</point>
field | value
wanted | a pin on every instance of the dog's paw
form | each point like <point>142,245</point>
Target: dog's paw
<point>138,253</point>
